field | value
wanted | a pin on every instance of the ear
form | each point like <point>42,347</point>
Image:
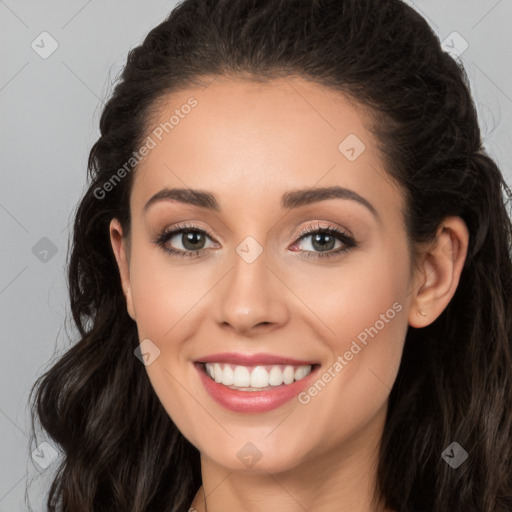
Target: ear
<point>121,253</point>
<point>439,272</point>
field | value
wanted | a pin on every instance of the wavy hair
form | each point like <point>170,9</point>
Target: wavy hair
<point>121,450</point>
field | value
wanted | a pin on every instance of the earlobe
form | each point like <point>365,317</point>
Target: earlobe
<point>122,258</point>
<point>439,275</point>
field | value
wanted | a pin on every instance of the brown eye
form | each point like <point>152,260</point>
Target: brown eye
<point>191,238</point>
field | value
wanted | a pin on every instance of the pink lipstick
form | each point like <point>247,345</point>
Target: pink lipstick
<point>251,399</point>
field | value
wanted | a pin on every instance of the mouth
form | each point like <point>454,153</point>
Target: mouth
<point>254,378</point>
<point>254,389</point>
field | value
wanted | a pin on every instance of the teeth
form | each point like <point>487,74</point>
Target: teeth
<point>275,376</point>
<point>228,376</point>
<point>259,378</point>
<point>288,375</point>
<point>254,378</point>
<point>242,377</point>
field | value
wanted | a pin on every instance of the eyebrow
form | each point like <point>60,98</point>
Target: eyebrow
<point>290,200</point>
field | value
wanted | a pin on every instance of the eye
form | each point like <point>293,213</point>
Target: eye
<point>190,237</point>
<point>324,240</point>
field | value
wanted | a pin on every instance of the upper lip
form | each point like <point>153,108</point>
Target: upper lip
<point>251,359</point>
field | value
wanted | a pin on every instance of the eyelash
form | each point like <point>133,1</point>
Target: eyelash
<point>166,235</point>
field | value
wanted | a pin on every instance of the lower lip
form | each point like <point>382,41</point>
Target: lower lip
<point>253,401</point>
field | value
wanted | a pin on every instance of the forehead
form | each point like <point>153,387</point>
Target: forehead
<point>250,140</point>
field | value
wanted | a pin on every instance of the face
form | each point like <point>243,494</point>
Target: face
<point>323,280</point>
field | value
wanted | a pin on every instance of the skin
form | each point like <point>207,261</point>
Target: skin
<point>248,144</point>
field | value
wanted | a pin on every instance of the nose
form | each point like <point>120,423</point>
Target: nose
<point>251,298</point>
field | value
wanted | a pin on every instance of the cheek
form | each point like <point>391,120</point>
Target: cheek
<point>370,327</point>
<point>163,292</point>
<point>369,304</point>
<point>358,300</point>
<point>164,299</point>
<point>363,307</point>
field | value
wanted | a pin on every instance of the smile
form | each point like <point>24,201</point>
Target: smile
<point>255,378</point>
<point>252,389</point>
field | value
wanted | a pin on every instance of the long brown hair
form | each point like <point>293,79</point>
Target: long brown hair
<point>121,450</point>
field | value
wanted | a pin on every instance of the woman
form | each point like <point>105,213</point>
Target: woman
<point>291,274</point>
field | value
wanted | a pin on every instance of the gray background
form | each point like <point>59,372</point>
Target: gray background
<point>50,110</point>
